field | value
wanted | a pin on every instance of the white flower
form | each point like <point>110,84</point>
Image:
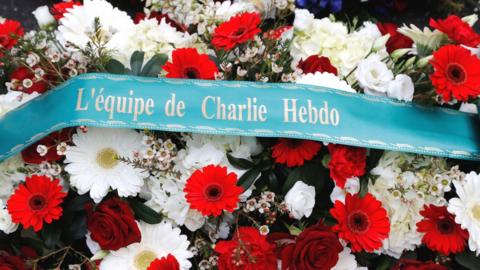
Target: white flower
<point>401,88</point>
<point>373,75</point>
<point>9,177</point>
<point>226,9</point>
<point>303,20</point>
<point>325,79</point>
<point>352,186</point>
<point>300,200</point>
<point>13,99</point>
<point>6,224</point>
<point>346,260</point>
<point>194,220</point>
<point>466,208</point>
<point>158,241</point>
<point>426,37</point>
<point>43,16</point>
<point>468,108</point>
<point>94,165</point>
<point>77,25</point>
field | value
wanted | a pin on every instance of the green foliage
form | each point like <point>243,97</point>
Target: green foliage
<point>144,212</point>
<point>151,69</point>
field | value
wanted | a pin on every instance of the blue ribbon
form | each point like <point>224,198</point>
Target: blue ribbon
<point>241,108</point>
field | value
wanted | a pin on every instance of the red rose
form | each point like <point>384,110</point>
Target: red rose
<point>112,224</point>
<point>9,262</point>
<point>247,250</point>
<point>31,155</point>
<point>316,248</point>
<point>408,264</point>
<point>346,162</point>
<point>316,63</point>
<point>21,74</point>
<point>396,40</point>
<point>457,30</point>
<point>58,10</point>
<point>165,263</point>
<point>10,31</point>
<point>139,16</point>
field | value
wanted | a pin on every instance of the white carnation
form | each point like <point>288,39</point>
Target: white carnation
<point>325,79</point>
<point>300,200</point>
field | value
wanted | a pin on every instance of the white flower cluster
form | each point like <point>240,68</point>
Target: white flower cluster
<point>404,183</point>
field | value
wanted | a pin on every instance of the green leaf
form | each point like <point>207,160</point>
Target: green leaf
<point>154,66</point>
<point>144,212</point>
<point>325,160</point>
<point>363,187</point>
<point>273,181</point>
<point>468,259</point>
<point>78,203</point>
<point>311,174</point>
<point>115,67</point>
<point>239,163</point>
<point>249,177</point>
<point>136,62</point>
<point>51,234</point>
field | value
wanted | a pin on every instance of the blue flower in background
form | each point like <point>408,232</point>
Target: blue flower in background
<point>316,6</point>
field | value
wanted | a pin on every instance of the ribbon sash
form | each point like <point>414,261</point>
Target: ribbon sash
<point>241,108</point>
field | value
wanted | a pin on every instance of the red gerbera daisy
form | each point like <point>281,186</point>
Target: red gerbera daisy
<point>212,190</point>
<point>457,30</point>
<point>363,222</point>
<point>10,31</point>
<point>442,234</point>
<point>37,201</point>
<point>457,73</point>
<point>165,263</point>
<point>294,152</point>
<point>238,30</point>
<point>58,10</point>
<point>187,63</point>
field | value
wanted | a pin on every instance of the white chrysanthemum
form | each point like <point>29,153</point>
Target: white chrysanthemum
<point>158,241</point>
<point>94,165</point>
<point>325,79</point>
<point>6,224</point>
<point>466,208</point>
<point>151,37</point>
<point>77,25</point>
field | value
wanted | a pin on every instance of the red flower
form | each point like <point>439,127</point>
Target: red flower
<point>396,39</point>
<point>442,234</point>
<point>457,73</point>
<point>10,31</point>
<point>21,75</point>
<point>294,152</point>
<point>187,63</point>
<point>363,222</point>
<point>457,30</point>
<point>248,250</point>
<point>31,155</point>
<point>59,10</point>
<point>212,190</point>
<point>346,162</point>
<point>409,264</point>
<point>9,262</point>
<point>112,225</point>
<point>238,30</point>
<point>139,16</point>
<point>165,263</point>
<point>37,201</point>
<point>315,63</point>
<point>278,33</point>
<point>316,248</point>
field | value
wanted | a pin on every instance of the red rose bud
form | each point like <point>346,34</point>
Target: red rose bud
<point>396,40</point>
<point>315,63</point>
<point>112,224</point>
<point>10,31</point>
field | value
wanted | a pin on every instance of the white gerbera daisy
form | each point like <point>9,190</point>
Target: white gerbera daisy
<point>158,241</point>
<point>94,166</point>
<point>466,208</point>
<point>77,25</point>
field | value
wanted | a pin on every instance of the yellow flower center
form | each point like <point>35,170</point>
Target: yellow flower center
<point>476,212</point>
<point>144,259</point>
<point>107,158</point>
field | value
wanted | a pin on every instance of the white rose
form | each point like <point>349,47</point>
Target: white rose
<point>43,16</point>
<point>401,88</point>
<point>374,76</point>
<point>6,224</point>
<point>300,200</point>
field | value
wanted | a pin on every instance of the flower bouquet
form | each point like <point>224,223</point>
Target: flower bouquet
<point>101,194</point>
